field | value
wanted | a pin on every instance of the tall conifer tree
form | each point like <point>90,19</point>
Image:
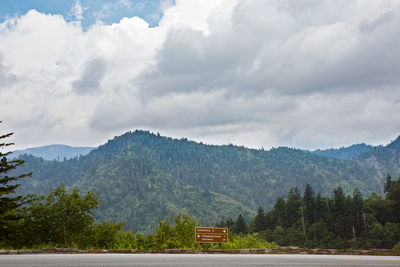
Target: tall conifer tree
<point>8,202</point>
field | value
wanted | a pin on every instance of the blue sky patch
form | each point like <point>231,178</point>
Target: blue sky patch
<point>107,11</point>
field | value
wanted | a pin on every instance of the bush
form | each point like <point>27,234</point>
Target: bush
<point>397,246</point>
<point>247,241</point>
<point>109,236</point>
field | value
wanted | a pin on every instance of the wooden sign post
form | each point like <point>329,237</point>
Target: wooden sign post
<point>211,235</point>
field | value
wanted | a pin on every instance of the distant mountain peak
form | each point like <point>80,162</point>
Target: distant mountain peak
<point>395,144</point>
<point>345,153</point>
<point>54,152</point>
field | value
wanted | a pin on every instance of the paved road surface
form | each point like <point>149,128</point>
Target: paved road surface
<point>64,260</point>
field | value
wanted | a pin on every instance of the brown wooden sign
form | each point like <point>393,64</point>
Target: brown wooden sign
<point>211,235</point>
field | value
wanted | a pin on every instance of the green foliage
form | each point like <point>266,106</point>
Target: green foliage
<point>318,236</point>
<point>391,233</point>
<point>279,235</point>
<point>240,226</point>
<point>247,241</point>
<point>397,246</point>
<point>258,223</point>
<point>9,202</point>
<point>385,160</point>
<point>345,153</point>
<point>295,237</point>
<point>179,235</point>
<point>142,178</point>
<point>60,217</point>
<point>338,221</point>
<point>376,235</point>
<point>108,235</point>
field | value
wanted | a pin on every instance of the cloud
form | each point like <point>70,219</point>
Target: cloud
<point>6,78</point>
<point>77,10</point>
<point>110,8</point>
<point>303,73</point>
<point>283,48</point>
<point>90,82</point>
<point>166,4</point>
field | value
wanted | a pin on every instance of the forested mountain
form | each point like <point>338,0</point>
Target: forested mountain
<point>385,160</point>
<point>142,178</point>
<point>345,153</point>
<point>54,152</point>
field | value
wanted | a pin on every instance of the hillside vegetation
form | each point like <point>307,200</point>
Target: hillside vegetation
<point>142,178</point>
<point>345,153</point>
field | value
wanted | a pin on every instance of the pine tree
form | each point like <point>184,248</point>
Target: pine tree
<point>388,183</point>
<point>392,188</point>
<point>240,225</point>
<point>259,221</point>
<point>357,211</point>
<point>309,202</point>
<point>292,208</point>
<point>8,204</point>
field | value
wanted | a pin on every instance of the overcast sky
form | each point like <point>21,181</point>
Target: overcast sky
<point>259,73</point>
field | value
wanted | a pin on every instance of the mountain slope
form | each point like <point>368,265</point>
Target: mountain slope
<point>385,160</point>
<point>142,178</point>
<point>345,153</point>
<point>54,152</point>
<point>131,191</point>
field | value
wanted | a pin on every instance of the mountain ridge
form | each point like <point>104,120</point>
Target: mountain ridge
<point>142,178</point>
<point>54,152</point>
<point>346,153</point>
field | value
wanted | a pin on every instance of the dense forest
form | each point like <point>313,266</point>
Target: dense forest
<point>65,219</point>
<point>139,179</point>
<point>142,178</point>
<point>336,221</point>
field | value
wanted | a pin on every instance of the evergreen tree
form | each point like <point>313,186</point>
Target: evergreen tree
<point>240,225</point>
<point>387,184</point>
<point>230,223</point>
<point>8,204</point>
<point>292,208</point>
<point>339,212</point>
<point>279,211</point>
<point>358,211</point>
<point>259,221</point>
<point>279,235</point>
<point>393,198</point>
<point>321,209</point>
<point>309,202</point>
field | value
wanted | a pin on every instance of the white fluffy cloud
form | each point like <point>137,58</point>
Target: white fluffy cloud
<point>304,73</point>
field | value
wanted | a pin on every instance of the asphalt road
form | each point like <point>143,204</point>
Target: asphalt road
<point>120,260</point>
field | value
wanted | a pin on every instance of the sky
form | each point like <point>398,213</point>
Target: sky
<point>259,73</point>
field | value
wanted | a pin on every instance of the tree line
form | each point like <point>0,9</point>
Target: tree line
<point>65,219</point>
<point>329,221</point>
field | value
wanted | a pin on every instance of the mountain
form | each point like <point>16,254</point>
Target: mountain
<point>54,152</point>
<point>345,153</point>
<point>384,160</point>
<point>142,178</point>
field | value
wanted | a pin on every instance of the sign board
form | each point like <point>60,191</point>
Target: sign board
<point>211,235</point>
